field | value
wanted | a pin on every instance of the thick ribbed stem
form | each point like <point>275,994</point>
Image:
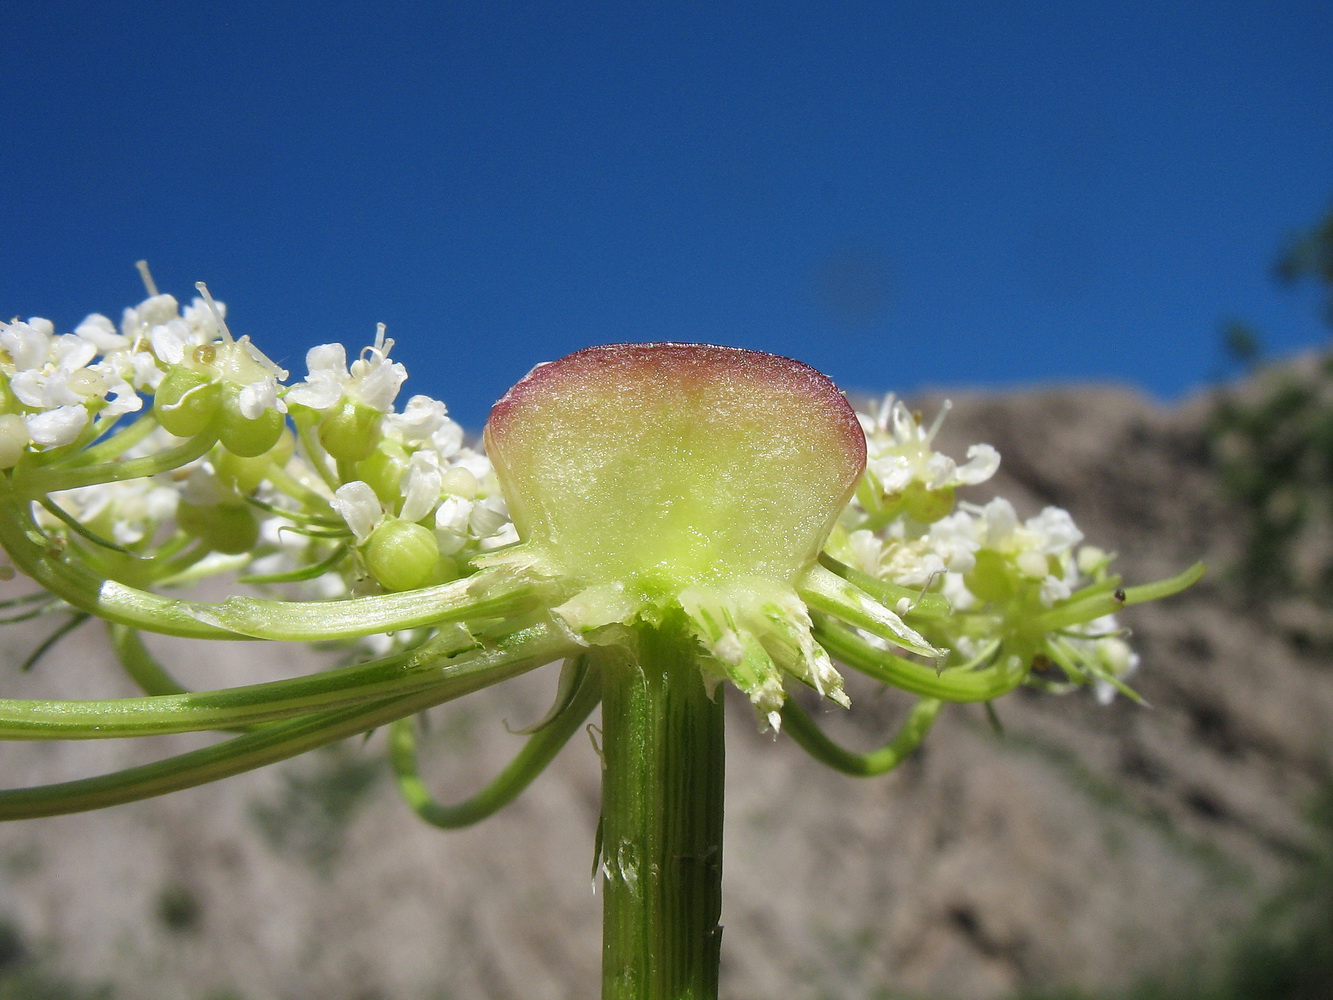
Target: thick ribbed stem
<point>661,837</point>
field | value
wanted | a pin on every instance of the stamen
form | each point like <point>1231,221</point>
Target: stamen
<point>146,275</point>
<point>935,425</point>
<point>217,313</point>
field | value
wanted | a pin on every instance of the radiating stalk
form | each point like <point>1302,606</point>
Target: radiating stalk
<point>661,837</point>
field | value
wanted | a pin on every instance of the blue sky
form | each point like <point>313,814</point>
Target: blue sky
<point>904,195</point>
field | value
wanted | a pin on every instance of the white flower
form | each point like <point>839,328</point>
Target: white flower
<point>913,556</point>
<point>1119,661</point>
<point>900,451</point>
<point>172,339</point>
<point>421,418</point>
<point>56,376</point>
<point>1041,548</point>
<point>99,331</point>
<point>260,395</point>
<point>53,428</point>
<point>357,504</point>
<point>372,381</point>
<point>153,311</point>
<point>421,486</point>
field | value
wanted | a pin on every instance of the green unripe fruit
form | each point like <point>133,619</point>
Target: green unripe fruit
<point>992,578</point>
<point>186,402</point>
<point>230,528</point>
<point>383,471</point>
<point>926,505</point>
<point>402,555</point>
<point>350,431</point>
<point>244,473</point>
<point>248,437</point>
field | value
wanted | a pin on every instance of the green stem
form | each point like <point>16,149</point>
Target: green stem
<point>661,833</point>
<point>540,750</point>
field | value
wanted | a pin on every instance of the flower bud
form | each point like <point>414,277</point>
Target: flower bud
<point>991,578</point>
<point>13,440</point>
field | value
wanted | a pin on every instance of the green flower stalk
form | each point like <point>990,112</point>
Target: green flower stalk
<point>662,519</point>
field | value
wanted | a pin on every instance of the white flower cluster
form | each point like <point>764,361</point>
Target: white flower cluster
<point>904,474</point>
<point>238,470</point>
<point>325,483</point>
<point>995,570</point>
<point>54,386</point>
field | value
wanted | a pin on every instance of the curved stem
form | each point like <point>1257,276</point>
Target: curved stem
<point>43,560</point>
<point>539,750</point>
<point>65,628</point>
<point>142,667</point>
<point>797,722</point>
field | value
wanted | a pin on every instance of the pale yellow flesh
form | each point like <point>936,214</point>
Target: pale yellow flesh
<point>667,465</point>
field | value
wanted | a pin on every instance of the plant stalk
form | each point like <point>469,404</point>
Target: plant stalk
<point>661,834</point>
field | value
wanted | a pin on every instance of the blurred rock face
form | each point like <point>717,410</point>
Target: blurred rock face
<point>1084,847</point>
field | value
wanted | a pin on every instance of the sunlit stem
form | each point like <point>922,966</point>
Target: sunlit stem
<point>153,715</point>
<point>661,843</point>
<point>43,559</point>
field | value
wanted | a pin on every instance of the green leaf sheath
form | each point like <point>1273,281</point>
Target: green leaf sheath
<point>847,647</point>
<point>516,654</point>
<point>436,664</point>
<point>489,594</point>
<point>538,751</point>
<point>798,724</point>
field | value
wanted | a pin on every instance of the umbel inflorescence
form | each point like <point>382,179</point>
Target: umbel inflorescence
<point>730,498</point>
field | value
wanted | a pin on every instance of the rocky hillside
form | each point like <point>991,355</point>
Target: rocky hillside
<point>1082,848</point>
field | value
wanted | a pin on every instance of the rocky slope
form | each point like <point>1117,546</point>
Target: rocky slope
<point>1082,848</point>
